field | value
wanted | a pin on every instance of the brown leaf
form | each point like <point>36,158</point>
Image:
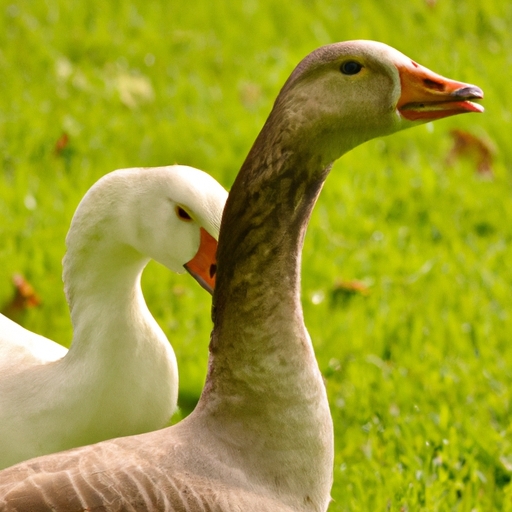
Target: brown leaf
<point>476,149</point>
<point>345,290</point>
<point>61,144</point>
<point>24,297</point>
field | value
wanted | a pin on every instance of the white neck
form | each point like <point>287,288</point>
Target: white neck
<point>119,356</point>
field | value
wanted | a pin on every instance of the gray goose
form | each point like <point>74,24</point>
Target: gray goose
<point>261,437</point>
<point>119,376</point>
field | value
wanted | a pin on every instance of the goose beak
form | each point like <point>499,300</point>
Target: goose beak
<point>203,266</point>
<point>427,96</point>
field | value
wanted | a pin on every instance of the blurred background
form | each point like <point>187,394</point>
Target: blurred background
<point>406,265</point>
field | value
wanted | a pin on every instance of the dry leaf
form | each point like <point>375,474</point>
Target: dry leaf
<point>24,297</point>
<point>469,146</point>
<point>344,290</point>
<point>61,144</point>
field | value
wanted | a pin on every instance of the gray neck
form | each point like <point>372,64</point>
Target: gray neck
<point>264,393</point>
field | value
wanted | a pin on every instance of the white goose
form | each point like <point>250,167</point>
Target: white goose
<point>119,376</point>
<point>261,437</point>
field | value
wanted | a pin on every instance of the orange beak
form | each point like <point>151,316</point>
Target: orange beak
<point>427,96</point>
<point>203,266</point>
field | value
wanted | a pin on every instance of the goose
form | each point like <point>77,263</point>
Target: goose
<point>261,436</point>
<point>119,376</point>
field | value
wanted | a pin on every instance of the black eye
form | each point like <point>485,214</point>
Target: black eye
<point>351,67</point>
<point>182,214</point>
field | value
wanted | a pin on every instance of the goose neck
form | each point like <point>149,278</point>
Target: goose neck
<point>103,289</point>
<point>264,395</point>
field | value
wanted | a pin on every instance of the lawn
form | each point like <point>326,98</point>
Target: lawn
<point>406,282</point>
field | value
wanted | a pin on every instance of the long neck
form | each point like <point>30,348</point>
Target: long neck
<point>102,282</point>
<point>264,391</point>
<point>262,233</point>
<point>119,357</point>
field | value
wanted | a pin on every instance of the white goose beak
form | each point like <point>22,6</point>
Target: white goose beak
<point>203,266</point>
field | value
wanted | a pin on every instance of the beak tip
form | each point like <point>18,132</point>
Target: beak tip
<point>469,92</point>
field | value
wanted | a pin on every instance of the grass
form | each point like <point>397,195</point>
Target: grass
<point>418,370</point>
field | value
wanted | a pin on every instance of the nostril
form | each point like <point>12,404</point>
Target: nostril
<point>432,84</point>
<point>213,270</point>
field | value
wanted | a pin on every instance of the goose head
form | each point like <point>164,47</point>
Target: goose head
<point>170,214</point>
<point>344,94</point>
<point>338,97</point>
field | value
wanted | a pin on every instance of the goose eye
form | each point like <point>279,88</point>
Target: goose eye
<point>182,214</point>
<point>351,67</point>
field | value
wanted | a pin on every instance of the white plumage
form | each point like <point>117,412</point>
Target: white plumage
<point>119,376</point>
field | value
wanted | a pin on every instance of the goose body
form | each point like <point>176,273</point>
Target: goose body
<point>119,376</point>
<point>21,348</point>
<point>261,437</point>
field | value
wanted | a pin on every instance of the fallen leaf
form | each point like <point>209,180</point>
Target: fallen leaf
<point>61,144</point>
<point>345,290</point>
<point>469,146</point>
<point>24,297</point>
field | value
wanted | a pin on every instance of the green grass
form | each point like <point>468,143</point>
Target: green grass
<point>419,371</point>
